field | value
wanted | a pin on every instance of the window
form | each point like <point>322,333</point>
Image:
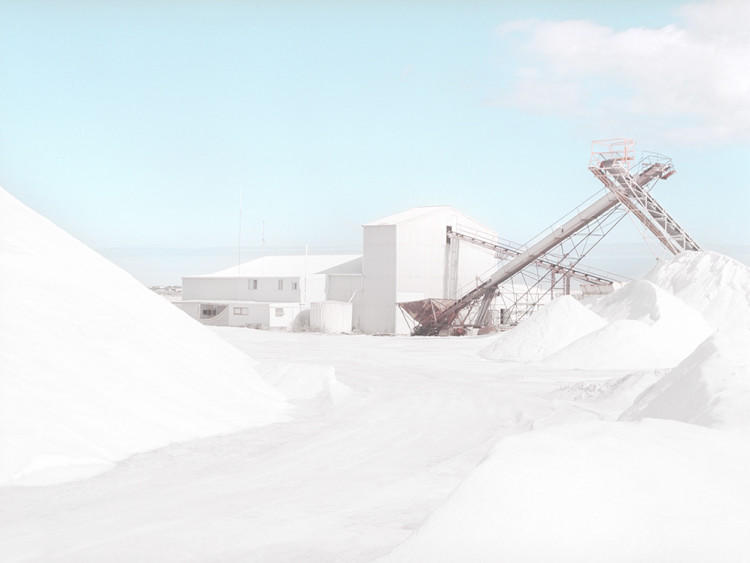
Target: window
<point>208,312</point>
<point>279,312</point>
<point>281,284</point>
<point>240,310</point>
<point>252,284</point>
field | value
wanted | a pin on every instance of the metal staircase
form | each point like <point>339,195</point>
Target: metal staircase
<point>611,167</point>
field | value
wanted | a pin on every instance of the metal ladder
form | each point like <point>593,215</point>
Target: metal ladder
<point>631,192</point>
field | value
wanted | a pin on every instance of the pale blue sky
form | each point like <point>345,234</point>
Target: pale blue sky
<point>135,125</point>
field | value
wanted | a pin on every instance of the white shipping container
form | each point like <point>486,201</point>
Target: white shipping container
<point>331,316</point>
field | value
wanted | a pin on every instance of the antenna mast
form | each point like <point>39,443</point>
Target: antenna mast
<point>239,238</point>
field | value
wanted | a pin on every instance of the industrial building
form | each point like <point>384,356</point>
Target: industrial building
<point>406,257</point>
<point>409,257</point>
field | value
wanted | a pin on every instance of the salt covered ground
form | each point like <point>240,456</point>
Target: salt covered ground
<point>609,430</point>
<point>368,456</point>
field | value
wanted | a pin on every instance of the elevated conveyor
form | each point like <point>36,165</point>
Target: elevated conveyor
<point>509,251</point>
<point>611,163</point>
<point>486,291</point>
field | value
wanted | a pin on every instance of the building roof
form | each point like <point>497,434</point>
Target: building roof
<point>240,303</point>
<point>409,215</point>
<point>419,212</point>
<point>353,267</point>
<point>290,266</point>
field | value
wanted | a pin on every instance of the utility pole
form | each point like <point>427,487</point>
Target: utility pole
<point>239,238</point>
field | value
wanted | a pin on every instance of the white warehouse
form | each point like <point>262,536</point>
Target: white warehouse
<point>406,257</point>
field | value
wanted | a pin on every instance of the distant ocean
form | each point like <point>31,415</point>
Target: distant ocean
<point>166,266</point>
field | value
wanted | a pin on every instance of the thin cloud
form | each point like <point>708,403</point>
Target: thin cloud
<point>686,81</point>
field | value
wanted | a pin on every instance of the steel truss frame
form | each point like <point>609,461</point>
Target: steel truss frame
<point>564,247</point>
<point>523,293</point>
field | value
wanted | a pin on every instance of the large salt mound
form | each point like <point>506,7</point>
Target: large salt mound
<point>555,326</point>
<point>714,284</point>
<point>95,367</point>
<point>597,491</point>
<point>649,328</point>
<point>711,387</point>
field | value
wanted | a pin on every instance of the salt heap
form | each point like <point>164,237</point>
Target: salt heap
<point>95,367</point>
<point>597,491</point>
<point>714,284</point>
<point>711,387</point>
<point>648,328</point>
<point>552,328</point>
<point>640,326</point>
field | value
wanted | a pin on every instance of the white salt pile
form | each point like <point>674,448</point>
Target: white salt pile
<point>552,328</point>
<point>640,326</point>
<point>597,491</point>
<point>714,284</point>
<point>711,387</point>
<point>95,367</point>
<point>649,328</point>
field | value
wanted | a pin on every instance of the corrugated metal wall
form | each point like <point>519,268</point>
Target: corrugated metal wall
<point>412,260</point>
<point>379,279</point>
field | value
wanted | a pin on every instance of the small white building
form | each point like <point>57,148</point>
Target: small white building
<point>269,292</point>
